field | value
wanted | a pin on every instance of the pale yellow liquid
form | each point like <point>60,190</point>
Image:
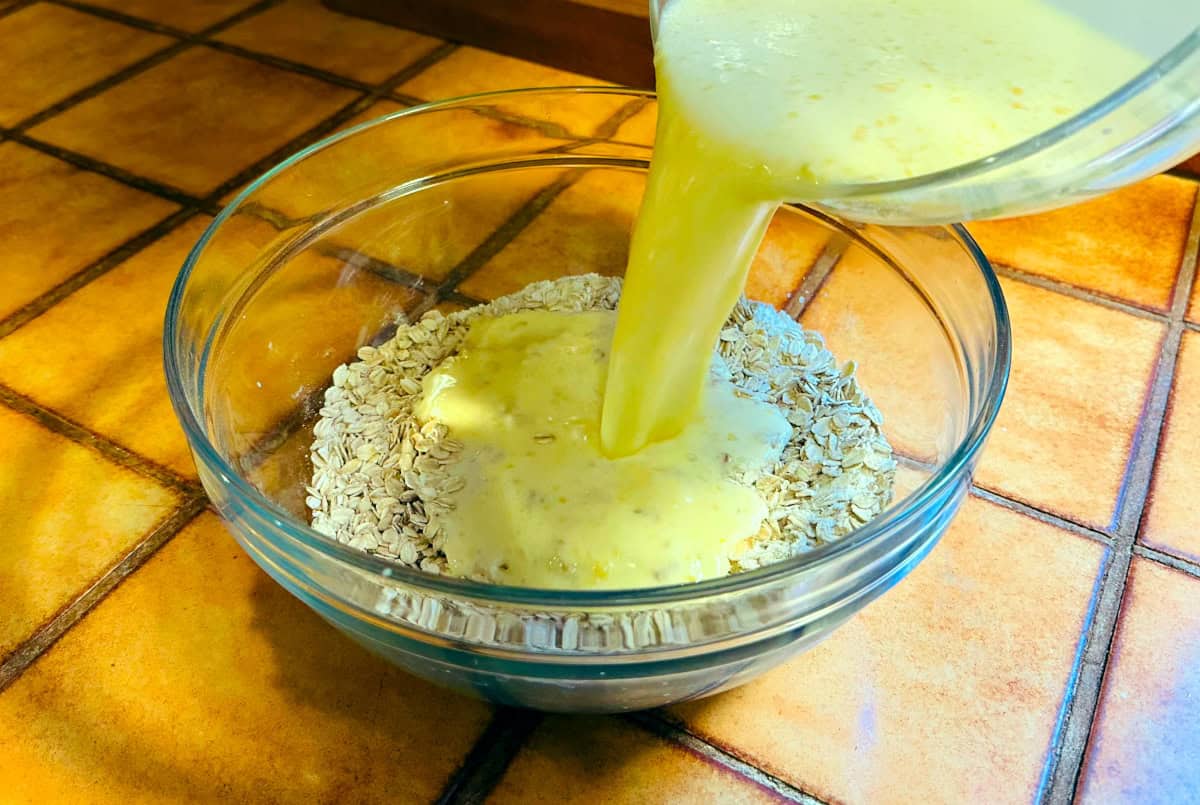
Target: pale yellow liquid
<point>542,507</point>
<point>759,102</point>
<point>773,100</point>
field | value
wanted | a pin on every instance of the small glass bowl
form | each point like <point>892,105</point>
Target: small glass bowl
<point>474,198</point>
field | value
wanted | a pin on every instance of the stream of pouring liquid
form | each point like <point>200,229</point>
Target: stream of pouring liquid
<point>775,100</point>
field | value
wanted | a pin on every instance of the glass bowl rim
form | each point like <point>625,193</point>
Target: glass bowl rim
<point>277,519</point>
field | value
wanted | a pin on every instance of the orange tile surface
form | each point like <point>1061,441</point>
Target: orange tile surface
<point>45,204</point>
<point>197,678</point>
<point>305,31</point>
<point>470,70</point>
<point>289,348</point>
<point>945,690</point>
<point>190,16</point>
<point>865,309</point>
<point>1079,379</point>
<point>586,229</point>
<point>66,516</point>
<point>1085,245</point>
<point>581,760</point>
<point>1172,519</point>
<point>96,357</point>
<point>1143,745</point>
<point>222,112</point>
<point>201,679</point>
<point>42,66</point>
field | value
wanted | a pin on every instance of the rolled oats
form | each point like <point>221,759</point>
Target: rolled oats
<point>381,479</point>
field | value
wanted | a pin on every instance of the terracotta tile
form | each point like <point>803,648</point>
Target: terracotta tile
<point>286,470</point>
<point>1128,244</point>
<point>55,219</point>
<point>111,379</point>
<point>305,31</point>
<point>197,119</point>
<point>311,315</point>
<point>66,516</point>
<point>867,313</point>
<point>1079,379</point>
<point>51,52</point>
<point>201,679</point>
<point>376,110</point>
<point>190,16</point>
<point>1172,519</point>
<point>587,229</point>
<point>620,764</point>
<point>792,244</point>
<point>469,70</point>
<point>1147,728</point>
<point>641,127</point>
<point>945,690</point>
<point>429,232</point>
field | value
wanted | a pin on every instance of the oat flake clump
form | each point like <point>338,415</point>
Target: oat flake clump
<point>381,480</point>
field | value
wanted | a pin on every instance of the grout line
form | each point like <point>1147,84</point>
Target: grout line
<point>15,7</point>
<point>40,304</point>
<point>1067,759</point>
<point>114,452</point>
<point>460,298</point>
<point>288,65</point>
<point>661,726</point>
<point>1188,566</point>
<point>209,204</point>
<point>619,118</point>
<point>184,42</point>
<point>58,625</point>
<point>380,268</point>
<point>108,82</point>
<point>1041,515</point>
<point>1143,458</point>
<point>1017,506</point>
<point>489,758</point>
<point>287,425</point>
<point>507,232</point>
<point>125,19</point>
<point>306,138</point>
<point>546,128</point>
<point>1080,293</point>
<point>817,275</point>
<point>416,67</point>
<point>164,29</point>
<point>327,126</point>
<point>111,171</point>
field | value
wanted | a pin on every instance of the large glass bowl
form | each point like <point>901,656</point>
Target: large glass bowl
<point>448,203</point>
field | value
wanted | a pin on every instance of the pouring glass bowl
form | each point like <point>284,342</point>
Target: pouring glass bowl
<point>478,196</point>
<point>1143,127</point>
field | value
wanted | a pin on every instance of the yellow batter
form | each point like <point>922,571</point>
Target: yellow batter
<point>542,507</point>
<point>759,102</point>
<point>774,100</point>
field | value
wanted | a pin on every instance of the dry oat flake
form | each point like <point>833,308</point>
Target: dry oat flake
<point>382,480</point>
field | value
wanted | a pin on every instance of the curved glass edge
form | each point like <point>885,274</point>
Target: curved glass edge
<point>182,402</point>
